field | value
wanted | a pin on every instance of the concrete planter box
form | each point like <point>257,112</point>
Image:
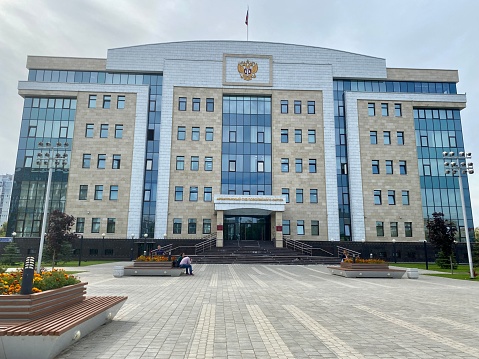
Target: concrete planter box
<point>366,270</point>
<point>164,268</point>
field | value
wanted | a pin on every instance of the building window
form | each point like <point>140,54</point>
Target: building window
<point>209,134</point>
<point>232,136</point>
<point>92,101</point>
<point>371,109</point>
<point>98,192</point>
<point>402,167</point>
<point>95,225</point>
<point>120,103</point>
<point>423,140</point>
<point>297,107</point>
<point>89,130</point>
<point>181,133</point>
<point>377,197</point>
<point>113,192</point>
<point>373,137</point>
<point>210,105</point>
<point>104,131</point>
<point>299,195</point>
<point>384,109</point>
<point>206,226</point>
<point>311,136</point>
<point>312,166</point>
<point>394,229</point>
<point>195,104</point>
<point>178,193</point>
<point>32,131</point>
<point>260,137</point>
<point>391,197</point>
<point>298,136</point>
<point>260,166</point>
<point>375,167</point>
<point>232,166</point>
<point>106,101</point>
<point>191,225</point>
<point>176,225</point>
<point>195,163</point>
<point>389,167</point>
<point>180,163</point>
<point>311,107</point>
<point>149,164</point>
<point>405,198</point>
<point>408,229</point>
<point>285,165</point>
<point>284,106</point>
<point>285,194</point>
<point>118,131</point>
<point>300,227</point>
<point>313,195</point>
<point>380,229</point>
<point>400,136</point>
<point>80,225</point>
<point>147,195</point>
<point>101,164</point>
<point>315,228</point>
<point>193,194</point>
<point>116,162</point>
<point>63,132</point>
<point>195,134</point>
<point>284,136</point>
<point>344,168</point>
<point>286,227</point>
<point>182,104</point>
<point>83,192</point>
<point>110,225</point>
<point>387,137</point>
<point>426,169</point>
<point>208,163</point>
<point>397,110</point>
<point>298,165</point>
<point>86,160</point>
<point>208,194</point>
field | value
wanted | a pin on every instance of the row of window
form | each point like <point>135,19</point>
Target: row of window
<point>394,229</point>
<point>298,165</point>
<point>313,195</point>
<point>391,197</point>
<point>98,194</point>
<point>311,107</point>
<point>101,161</point>
<point>90,129</point>
<point>298,136</point>
<point>389,167</point>
<point>195,133</point>
<point>384,109</point>
<point>95,225</point>
<point>373,137</point>
<point>196,104</point>
<point>300,227</point>
<point>120,101</point>
<point>177,224</point>
<point>194,163</point>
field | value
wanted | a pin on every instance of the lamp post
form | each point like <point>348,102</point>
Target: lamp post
<point>49,157</point>
<point>425,253</point>
<point>144,248</point>
<point>394,250</point>
<point>14,234</point>
<point>362,246</point>
<point>456,164</point>
<point>103,235</point>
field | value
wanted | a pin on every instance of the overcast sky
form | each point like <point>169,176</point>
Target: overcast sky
<point>439,34</point>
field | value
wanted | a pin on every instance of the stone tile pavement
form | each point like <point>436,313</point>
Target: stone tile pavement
<point>276,311</point>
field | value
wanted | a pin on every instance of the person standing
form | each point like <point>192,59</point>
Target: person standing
<point>186,263</point>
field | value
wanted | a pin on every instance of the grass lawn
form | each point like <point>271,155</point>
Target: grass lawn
<point>61,264</point>
<point>462,271</point>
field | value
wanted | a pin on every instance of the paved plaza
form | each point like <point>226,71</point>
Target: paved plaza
<point>279,311</point>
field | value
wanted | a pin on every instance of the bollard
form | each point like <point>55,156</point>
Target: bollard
<point>28,272</point>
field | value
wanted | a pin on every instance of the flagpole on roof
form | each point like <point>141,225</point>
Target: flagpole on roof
<point>246,22</point>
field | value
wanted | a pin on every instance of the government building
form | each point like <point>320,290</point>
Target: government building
<point>238,140</point>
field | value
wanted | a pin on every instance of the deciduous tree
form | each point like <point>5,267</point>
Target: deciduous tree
<point>59,233</point>
<point>441,233</point>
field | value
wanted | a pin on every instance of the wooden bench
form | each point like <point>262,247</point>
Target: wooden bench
<point>153,269</point>
<point>51,333</point>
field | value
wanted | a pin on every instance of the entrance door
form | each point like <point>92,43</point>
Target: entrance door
<point>242,228</point>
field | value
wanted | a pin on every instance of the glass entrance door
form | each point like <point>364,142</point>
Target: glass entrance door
<point>242,228</point>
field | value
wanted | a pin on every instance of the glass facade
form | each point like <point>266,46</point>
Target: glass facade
<point>47,120</point>
<point>439,130</point>
<point>245,161</point>
<point>341,86</point>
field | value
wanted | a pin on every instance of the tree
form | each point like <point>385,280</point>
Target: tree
<point>11,254</point>
<point>476,233</point>
<point>3,230</point>
<point>59,234</point>
<point>441,233</point>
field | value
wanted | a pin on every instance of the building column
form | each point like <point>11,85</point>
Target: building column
<point>279,230</point>
<point>219,228</point>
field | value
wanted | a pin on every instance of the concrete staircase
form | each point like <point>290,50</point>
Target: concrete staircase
<point>258,252</point>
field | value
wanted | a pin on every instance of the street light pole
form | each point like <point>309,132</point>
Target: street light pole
<point>458,165</point>
<point>144,248</point>
<point>425,253</point>
<point>394,250</point>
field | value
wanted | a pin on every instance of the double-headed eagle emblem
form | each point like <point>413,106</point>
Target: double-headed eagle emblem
<point>247,70</point>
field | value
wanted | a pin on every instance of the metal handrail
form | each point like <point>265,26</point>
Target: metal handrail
<point>298,246</point>
<point>324,250</point>
<point>349,251</point>
<point>209,243</point>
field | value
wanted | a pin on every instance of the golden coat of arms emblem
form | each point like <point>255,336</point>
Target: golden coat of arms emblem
<point>247,70</point>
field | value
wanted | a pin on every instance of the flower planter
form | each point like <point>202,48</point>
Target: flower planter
<point>365,266</point>
<point>18,307</point>
<point>366,270</point>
